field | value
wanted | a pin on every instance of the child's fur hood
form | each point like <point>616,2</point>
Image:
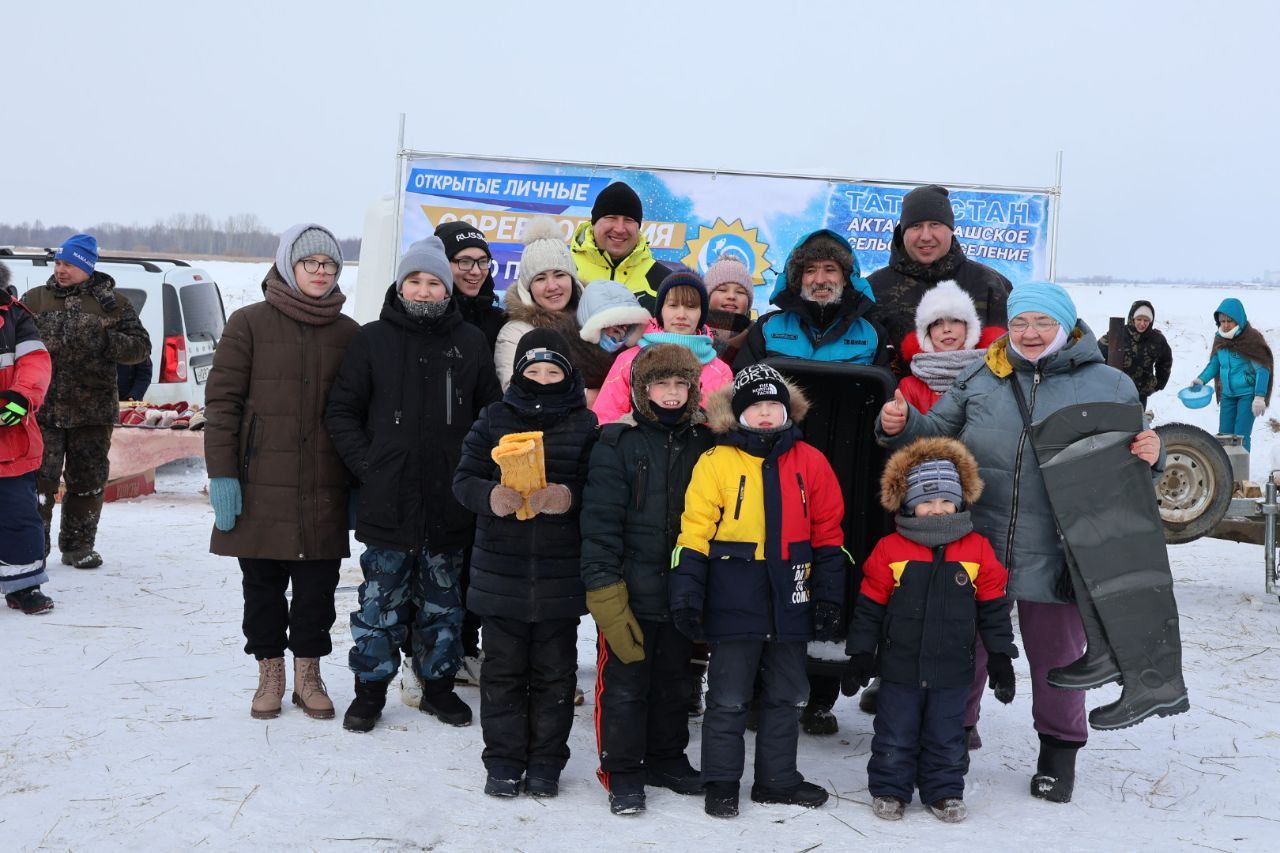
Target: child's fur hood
<point>720,407</point>
<point>893,483</point>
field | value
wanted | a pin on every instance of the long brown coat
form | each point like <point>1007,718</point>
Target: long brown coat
<point>265,405</point>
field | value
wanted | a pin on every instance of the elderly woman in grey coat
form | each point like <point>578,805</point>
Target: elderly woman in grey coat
<point>1054,359</point>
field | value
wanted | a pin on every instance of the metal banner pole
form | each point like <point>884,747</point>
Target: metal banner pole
<point>401,158</point>
<point>1057,216</point>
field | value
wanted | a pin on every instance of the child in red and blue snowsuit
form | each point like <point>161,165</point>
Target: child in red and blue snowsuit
<point>25,371</point>
<point>928,591</point>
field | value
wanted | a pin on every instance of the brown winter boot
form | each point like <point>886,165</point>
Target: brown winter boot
<point>266,702</point>
<point>309,692</point>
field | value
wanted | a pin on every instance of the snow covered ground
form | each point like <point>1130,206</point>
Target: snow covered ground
<point>126,725</point>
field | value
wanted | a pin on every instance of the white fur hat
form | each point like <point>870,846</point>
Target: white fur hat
<point>947,301</point>
<point>607,303</point>
<point>544,249</point>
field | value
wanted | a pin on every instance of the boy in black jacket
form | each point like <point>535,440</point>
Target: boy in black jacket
<point>640,469</point>
<point>411,384</point>
<point>525,577</point>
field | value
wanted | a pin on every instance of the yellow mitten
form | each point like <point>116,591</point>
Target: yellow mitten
<point>522,461</point>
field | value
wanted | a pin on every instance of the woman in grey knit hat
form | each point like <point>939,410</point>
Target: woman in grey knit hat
<point>277,485</point>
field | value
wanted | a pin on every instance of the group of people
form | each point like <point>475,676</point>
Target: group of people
<point>60,345</point>
<point>462,439</point>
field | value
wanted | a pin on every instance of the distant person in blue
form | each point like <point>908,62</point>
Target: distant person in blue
<point>1241,363</point>
<point>823,306</point>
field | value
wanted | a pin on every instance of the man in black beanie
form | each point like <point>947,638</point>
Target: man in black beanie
<point>925,252</point>
<point>469,259</point>
<point>611,246</point>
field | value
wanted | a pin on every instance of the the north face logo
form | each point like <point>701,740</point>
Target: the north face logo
<point>453,352</point>
<point>766,389</point>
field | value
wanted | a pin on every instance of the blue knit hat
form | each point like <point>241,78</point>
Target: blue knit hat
<point>80,250</point>
<point>1043,297</point>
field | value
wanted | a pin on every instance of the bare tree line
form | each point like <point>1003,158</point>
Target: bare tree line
<point>183,234</point>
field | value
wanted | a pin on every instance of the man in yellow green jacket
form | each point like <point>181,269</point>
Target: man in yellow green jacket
<point>611,246</point>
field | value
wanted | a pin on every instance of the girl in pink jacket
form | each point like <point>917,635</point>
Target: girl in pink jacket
<point>681,319</point>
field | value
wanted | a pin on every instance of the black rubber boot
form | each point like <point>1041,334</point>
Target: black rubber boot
<point>1097,666</point>
<point>366,708</point>
<point>1055,770</point>
<point>1153,685</point>
<point>504,782</point>
<point>1119,551</point>
<point>439,700</point>
<point>542,781</point>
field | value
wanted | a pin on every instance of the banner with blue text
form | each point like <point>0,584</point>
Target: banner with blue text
<point>694,218</point>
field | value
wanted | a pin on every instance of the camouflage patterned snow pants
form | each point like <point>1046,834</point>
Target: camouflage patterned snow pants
<point>394,584</point>
<point>83,452</point>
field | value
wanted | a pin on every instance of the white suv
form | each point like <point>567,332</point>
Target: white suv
<point>179,305</point>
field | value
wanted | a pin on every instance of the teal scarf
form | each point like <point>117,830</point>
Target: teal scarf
<point>701,345</point>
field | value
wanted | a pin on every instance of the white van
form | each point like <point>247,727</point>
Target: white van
<point>179,305</point>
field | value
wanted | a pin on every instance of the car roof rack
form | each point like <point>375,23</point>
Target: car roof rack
<point>42,258</point>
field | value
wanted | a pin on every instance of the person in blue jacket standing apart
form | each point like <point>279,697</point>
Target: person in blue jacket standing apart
<point>1241,363</point>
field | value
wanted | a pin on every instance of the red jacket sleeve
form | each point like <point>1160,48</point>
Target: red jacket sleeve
<point>33,368</point>
<point>917,393</point>
<point>828,503</point>
<point>992,576</point>
<point>877,577</point>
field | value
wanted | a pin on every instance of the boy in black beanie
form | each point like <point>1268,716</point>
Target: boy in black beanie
<point>758,573</point>
<point>525,577</point>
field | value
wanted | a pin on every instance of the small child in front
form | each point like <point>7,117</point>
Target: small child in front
<point>924,589</point>
<point>759,571</point>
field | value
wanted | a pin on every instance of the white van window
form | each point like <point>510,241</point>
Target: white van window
<point>202,310</point>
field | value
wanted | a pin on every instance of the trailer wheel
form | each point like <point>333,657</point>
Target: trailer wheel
<point>1196,488</point>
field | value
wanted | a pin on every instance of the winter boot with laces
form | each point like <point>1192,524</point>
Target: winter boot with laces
<point>309,692</point>
<point>1055,770</point>
<point>888,808</point>
<point>721,799</point>
<point>266,702</point>
<point>366,708</point>
<point>30,601</point>
<point>949,810</point>
<point>439,700</point>
<point>86,559</point>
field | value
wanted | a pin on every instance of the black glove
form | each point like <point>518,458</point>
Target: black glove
<point>858,673</point>
<point>826,621</point>
<point>689,622</point>
<point>13,407</point>
<point>1000,672</point>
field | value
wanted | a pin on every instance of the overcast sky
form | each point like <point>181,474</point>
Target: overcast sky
<point>1167,112</point>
